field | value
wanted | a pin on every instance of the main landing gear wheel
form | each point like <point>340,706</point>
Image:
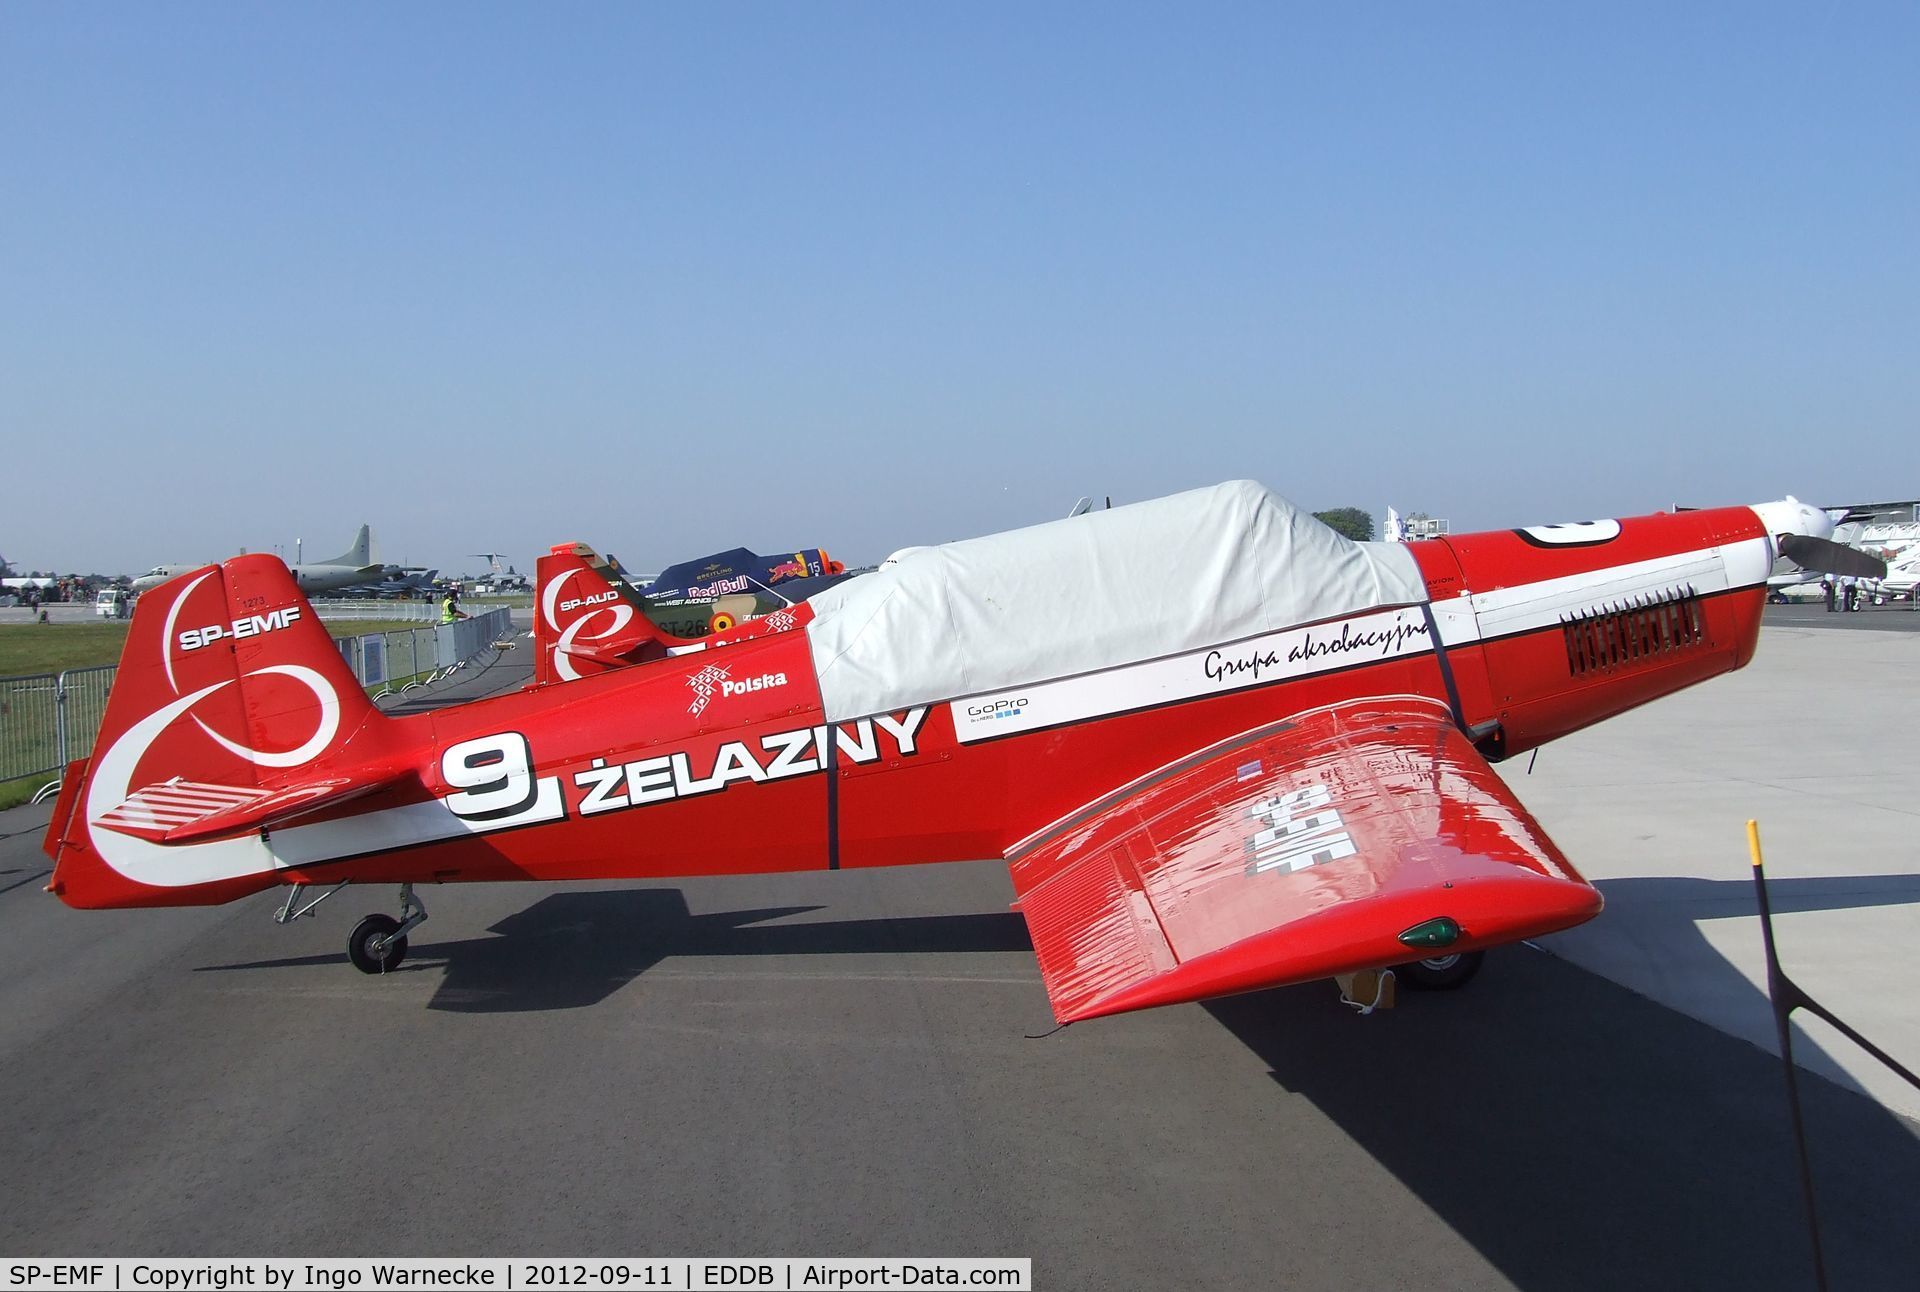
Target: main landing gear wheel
<point>379,942</point>
<point>376,944</point>
<point>1440,973</point>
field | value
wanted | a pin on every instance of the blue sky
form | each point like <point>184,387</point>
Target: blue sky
<point>668,279</point>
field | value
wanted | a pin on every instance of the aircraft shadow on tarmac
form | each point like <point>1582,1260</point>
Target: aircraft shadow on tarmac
<point>1668,913</point>
<point>1578,1135</point>
<point>1689,900</point>
<point>1582,1136</point>
<point>573,950</point>
<point>8,883</point>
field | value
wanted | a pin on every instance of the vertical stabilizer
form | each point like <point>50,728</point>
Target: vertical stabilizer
<point>232,710</point>
<point>587,618</point>
<point>360,555</point>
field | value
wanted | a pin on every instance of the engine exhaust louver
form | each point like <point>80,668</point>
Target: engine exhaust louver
<point>1630,631</point>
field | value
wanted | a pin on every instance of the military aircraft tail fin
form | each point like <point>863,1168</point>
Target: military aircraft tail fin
<point>359,555</point>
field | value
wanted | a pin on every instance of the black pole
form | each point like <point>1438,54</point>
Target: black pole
<point>1784,995</point>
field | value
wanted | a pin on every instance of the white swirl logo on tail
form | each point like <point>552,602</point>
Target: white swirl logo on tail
<point>316,744</point>
<point>550,605</point>
<point>169,866</point>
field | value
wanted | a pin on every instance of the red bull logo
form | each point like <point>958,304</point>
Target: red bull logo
<point>720,587</point>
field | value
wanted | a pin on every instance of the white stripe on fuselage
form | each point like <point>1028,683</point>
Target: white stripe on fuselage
<point>1370,637</point>
<point>1527,606</point>
<point>1272,657</point>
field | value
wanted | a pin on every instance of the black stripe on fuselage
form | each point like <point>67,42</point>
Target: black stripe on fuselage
<point>832,769</point>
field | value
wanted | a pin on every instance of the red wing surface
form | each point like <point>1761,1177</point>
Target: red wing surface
<point>1297,851</point>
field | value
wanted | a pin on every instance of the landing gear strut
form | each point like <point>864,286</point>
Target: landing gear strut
<point>379,942</point>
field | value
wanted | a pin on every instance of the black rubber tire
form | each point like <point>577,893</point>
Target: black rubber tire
<point>360,945</point>
<point>1440,973</point>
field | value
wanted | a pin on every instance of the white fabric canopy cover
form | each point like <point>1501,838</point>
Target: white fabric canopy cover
<point>1138,582</point>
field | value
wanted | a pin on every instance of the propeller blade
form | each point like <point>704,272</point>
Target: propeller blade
<point>1824,556</point>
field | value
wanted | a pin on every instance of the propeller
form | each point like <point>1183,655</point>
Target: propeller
<point>1804,535</point>
<point>1824,556</point>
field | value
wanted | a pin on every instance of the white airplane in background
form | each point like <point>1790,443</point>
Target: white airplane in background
<point>355,565</point>
<point>1903,575</point>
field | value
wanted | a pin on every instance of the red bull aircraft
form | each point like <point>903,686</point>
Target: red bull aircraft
<point>1221,747</point>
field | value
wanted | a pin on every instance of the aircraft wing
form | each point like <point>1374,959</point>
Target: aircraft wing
<point>1295,851</point>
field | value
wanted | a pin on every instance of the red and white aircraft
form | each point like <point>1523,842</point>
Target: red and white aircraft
<point>1220,746</point>
<point>588,619</point>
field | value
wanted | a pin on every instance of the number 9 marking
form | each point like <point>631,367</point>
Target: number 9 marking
<point>1587,533</point>
<point>493,774</point>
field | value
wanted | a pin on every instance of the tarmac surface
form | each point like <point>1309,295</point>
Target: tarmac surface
<point>1895,616</point>
<point>1814,739</point>
<point>839,1065</point>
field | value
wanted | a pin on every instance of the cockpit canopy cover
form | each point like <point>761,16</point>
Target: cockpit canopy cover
<point>1137,582</point>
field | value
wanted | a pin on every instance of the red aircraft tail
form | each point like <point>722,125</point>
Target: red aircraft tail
<point>229,683</point>
<point>587,618</point>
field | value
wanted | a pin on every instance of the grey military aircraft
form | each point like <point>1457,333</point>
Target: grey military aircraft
<point>398,581</point>
<point>355,565</point>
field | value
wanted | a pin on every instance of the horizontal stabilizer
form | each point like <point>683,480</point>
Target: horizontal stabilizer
<point>182,811</point>
<point>607,652</point>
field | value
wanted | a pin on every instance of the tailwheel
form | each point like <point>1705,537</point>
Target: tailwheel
<point>376,944</point>
<point>1440,973</point>
<point>379,942</point>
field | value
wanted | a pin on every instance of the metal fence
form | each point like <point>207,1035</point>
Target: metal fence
<point>465,639</point>
<point>408,657</point>
<point>83,703</point>
<point>392,659</point>
<point>369,608</point>
<point>29,725</point>
<point>49,719</point>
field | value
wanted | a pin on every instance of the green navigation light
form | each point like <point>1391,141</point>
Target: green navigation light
<point>1439,932</point>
